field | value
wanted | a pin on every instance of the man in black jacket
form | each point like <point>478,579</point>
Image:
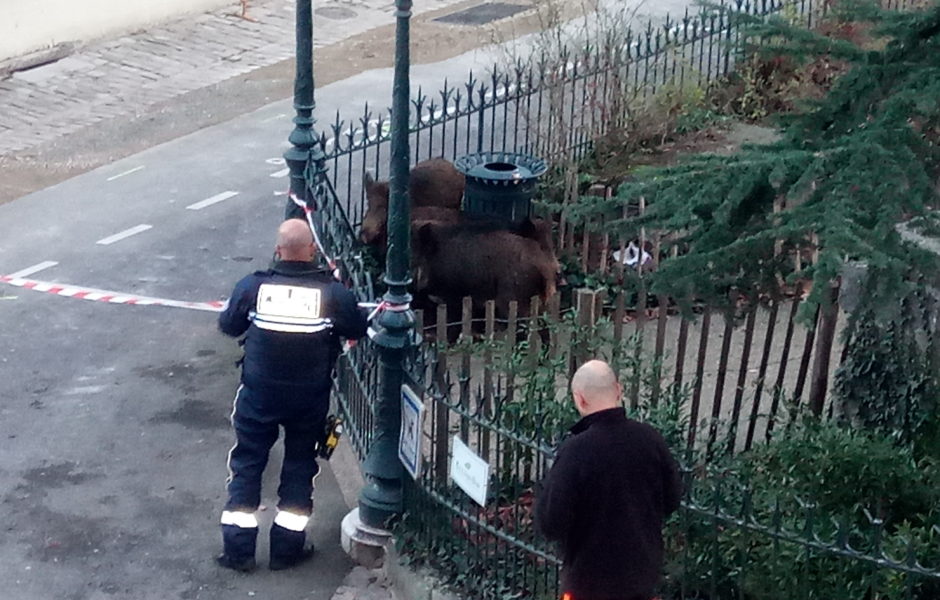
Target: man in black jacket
<point>604,501</point>
<point>293,315</point>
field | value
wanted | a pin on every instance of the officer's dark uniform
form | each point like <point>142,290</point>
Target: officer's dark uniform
<point>294,315</point>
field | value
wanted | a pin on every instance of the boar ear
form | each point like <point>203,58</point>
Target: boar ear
<point>368,179</point>
<point>426,239</point>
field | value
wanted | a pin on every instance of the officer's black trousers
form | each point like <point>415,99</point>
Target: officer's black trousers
<point>257,417</point>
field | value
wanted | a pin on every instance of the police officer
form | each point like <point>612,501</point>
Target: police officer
<point>294,314</point>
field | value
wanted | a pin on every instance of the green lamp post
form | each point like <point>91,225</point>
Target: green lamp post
<point>303,140</point>
<point>381,498</point>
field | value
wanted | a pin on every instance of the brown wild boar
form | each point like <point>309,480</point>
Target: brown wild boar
<point>453,261</point>
<point>434,183</point>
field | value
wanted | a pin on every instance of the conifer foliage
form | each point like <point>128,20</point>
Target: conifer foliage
<point>846,172</point>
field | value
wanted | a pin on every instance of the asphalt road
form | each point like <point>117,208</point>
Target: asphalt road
<point>115,416</point>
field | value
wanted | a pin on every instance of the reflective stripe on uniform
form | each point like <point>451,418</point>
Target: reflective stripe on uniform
<point>292,521</point>
<point>290,324</point>
<point>245,520</point>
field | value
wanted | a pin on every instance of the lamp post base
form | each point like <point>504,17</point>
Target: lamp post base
<point>364,544</point>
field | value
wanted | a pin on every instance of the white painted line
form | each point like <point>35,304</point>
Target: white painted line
<point>117,237</point>
<point>274,118</point>
<point>280,173</point>
<point>134,170</point>
<point>213,200</point>
<point>33,269</point>
<point>275,161</point>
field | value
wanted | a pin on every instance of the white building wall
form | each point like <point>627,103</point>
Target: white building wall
<point>29,25</point>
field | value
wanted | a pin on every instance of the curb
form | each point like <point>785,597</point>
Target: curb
<point>406,582</point>
<point>410,584</point>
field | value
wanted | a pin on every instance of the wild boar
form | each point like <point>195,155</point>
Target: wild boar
<point>450,262</point>
<point>434,182</point>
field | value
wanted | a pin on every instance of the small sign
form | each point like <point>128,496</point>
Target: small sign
<point>409,441</point>
<point>470,472</point>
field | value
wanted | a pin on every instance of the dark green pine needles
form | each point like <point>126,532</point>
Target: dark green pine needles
<point>848,170</point>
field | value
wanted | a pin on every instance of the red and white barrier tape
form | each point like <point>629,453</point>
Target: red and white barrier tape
<point>112,297</point>
<point>84,293</point>
<point>308,213</point>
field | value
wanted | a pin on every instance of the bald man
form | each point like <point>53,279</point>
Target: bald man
<point>293,316</point>
<point>612,485</point>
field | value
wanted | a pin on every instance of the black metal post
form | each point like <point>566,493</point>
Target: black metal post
<point>381,498</point>
<point>303,140</point>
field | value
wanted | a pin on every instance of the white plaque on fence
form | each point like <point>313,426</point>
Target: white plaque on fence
<point>470,472</point>
<point>409,441</point>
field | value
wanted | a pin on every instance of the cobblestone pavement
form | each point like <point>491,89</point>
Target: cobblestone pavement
<point>126,75</point>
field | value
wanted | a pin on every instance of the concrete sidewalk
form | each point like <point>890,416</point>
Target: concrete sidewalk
<point>126,76</point>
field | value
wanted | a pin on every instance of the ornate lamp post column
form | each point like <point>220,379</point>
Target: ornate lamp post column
<point>381,498</point>
<point>303,139</point>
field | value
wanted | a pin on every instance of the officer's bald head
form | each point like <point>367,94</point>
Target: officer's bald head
<point>295,241</point>
<point>595,387</point>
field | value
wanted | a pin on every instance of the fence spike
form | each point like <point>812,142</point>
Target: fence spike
<point>877,533</point>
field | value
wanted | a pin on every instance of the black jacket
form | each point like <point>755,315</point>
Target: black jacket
<point>293,332</point>
<point>612,485</point>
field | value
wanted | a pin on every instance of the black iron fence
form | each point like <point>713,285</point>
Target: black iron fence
<point>555,107</point>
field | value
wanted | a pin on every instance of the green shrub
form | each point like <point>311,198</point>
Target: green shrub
<point>779,522</point>
<point>844,470</point>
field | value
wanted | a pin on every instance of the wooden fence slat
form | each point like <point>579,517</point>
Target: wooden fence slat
<point>761,373</point>
<point>466,333</point>
<point>441,410</point>
<point>511,325</point>
<point>781,372</point>
<point>722,375</point>
<point>487,408</point>
<point>804,359</point>
<point>661,321</point>
<point>554,312</point>
<point>681,345</point>
<point>584,308</point>
<point>742,376</point>
<point>819,382</point>
<point>620,310</point>
<point>638,348</point>
<point>699,375</point>
<point>585,249</point>
<point>535,341</point>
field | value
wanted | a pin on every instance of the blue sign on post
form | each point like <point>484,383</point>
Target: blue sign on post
<point>409,441</point>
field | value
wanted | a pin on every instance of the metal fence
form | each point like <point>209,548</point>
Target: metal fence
<point>555,107</point>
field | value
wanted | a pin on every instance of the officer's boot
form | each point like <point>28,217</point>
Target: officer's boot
<point>238,548</point>
<point>287,544</point>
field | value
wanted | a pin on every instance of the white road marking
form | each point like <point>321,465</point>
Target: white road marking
<point>85,389</point>
<point>275,161</point>
<point>280,173</point>
<point>117,237</point>
<point>213,200</point>
<point>33,269</point>
<point>274,118</point>
<point>134,170</point>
